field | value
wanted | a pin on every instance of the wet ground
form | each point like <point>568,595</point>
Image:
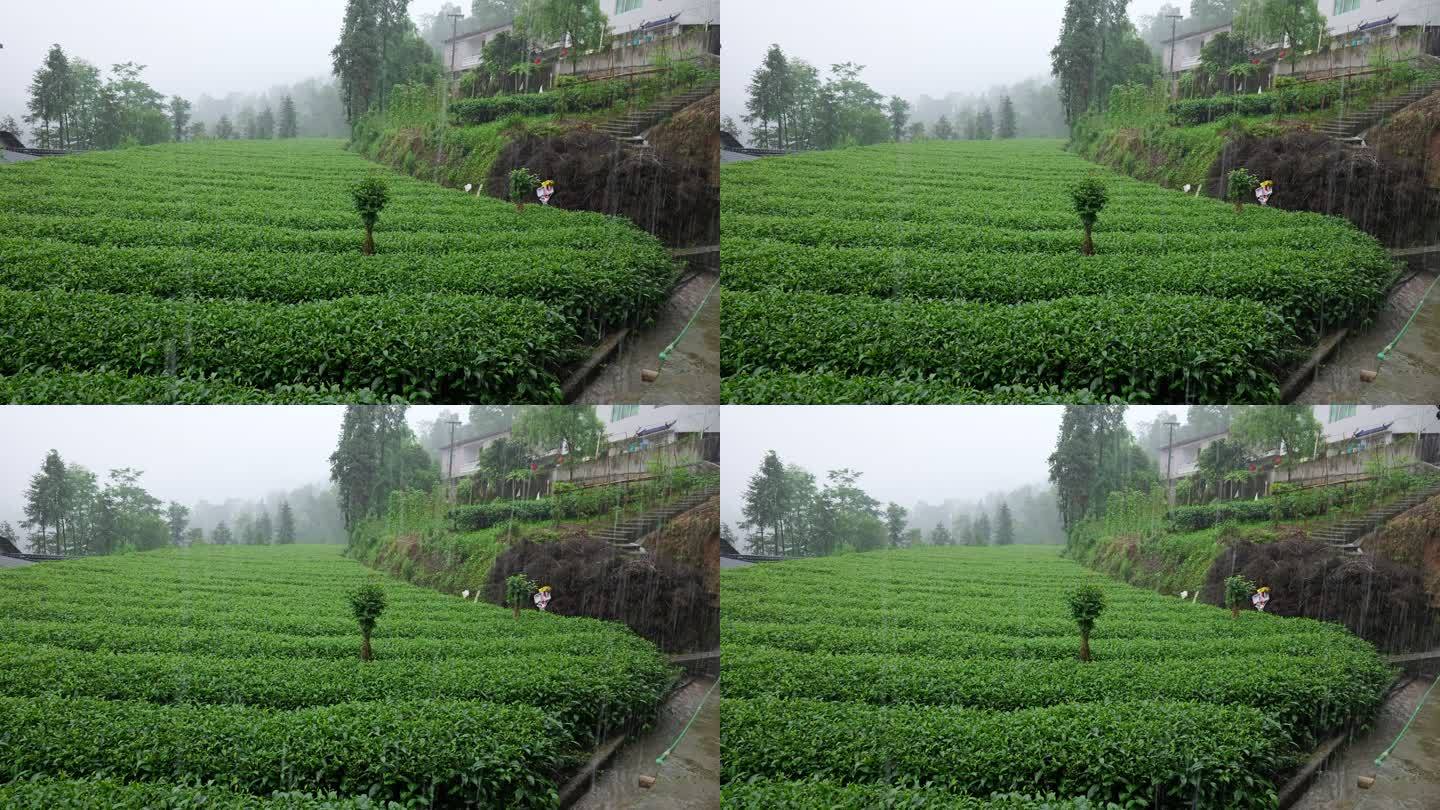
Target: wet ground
<point>690,777</point>
<point>1409,779</point>
<point>691,375</point>
<point>1411,372</point>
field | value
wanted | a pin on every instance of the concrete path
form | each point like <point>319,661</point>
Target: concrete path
<point>690,777</point>
<point>1411,372</point>
<point>1409,779</point>
<point>692,373</point>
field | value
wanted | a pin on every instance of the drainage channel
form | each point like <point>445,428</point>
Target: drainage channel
<point>687,778</point>
<point>1407,778</point>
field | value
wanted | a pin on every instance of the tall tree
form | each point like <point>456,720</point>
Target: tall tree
<point>179,116</point>
<point>579,24</point>
<point>985,124</point>
<point>264,528</point>
<point>289,127</point>
<point>356,60</point>
<point>265,124</point>
<point>940,536</point>
<point>944,130</point>
<point>376,454</point>
<point>1005,128</point>
<point>50,100</point>
<point>895,523</point>
<point>982,530</point>
<point>573,430</point>
<point>222,535</point>
<point>285,530</point>
<point>177,518</point>
<point>769,99</point>
<point>765,501</point>
<point>224,130</point>
<point>1291,429</point>
<point>1004,526</point>
<point>45,505</point>
<point>899,115</point>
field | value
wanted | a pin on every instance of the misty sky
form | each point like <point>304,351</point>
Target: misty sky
<point>908,453</point>
<point>188,452</point>
<point>190,48</point>
<point>929,47</point>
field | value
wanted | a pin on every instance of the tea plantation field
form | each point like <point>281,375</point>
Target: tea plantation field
<point>948,677</point>
<point>231,272</point>
<point>950,272</point>
<point>229,677</point>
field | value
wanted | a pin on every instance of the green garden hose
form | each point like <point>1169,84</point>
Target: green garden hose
<point>1387,349</point>
<point>1386,752</point>
<point>665,355</point>
<point>660,760</point>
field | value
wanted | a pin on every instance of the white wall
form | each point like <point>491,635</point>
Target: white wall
<point>692,12</point>
<point>1406,418</point>
<point>687,418</point>
<point>1412,12</point>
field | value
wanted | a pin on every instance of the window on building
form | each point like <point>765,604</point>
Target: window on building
<point>622,6</point>
<point>1344,6</point>
<point>618,412</point>
<point>1338,412</point>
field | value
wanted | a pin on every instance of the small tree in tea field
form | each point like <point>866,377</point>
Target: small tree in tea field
<point>367,602</point>
<point>1237,590</point>
<point>518,588</point>
<point>1087,602</point>
<point>1239,185</point>
<point>1089,197</point>
<point>370,194</point>
<point>523,183</point>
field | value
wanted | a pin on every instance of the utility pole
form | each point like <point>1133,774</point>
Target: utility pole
<point>1170,451</point>
<point>1174,22</point>
<point>455,34</point>
<point>450,465</point>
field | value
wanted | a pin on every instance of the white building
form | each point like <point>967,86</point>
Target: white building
<point>1359,427</point>
<point>465,454</point>
<point>1183,458</point>
<point>464,51</point>
<point>636,22</point>
<point>1352,24</point>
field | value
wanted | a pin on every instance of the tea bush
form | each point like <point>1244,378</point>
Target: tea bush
<point>235,269</point>
<point>967,249</point>
<point>234,669</point>
<point>946,676</point>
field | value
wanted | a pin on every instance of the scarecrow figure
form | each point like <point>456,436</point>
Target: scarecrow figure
<point>542,597</point>
<point>1264,191</point>
<point>546,189</point>
<point>1261,599</point>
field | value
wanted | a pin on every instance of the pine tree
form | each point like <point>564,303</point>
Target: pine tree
<point>285,533</point>
<point>944,130</point>
<point>224,130</point>
<point>264,529</point>
<point>1004,526</point>
<point>265,124</point>
<point>1006,128</point>
<point>982,530</point>
<point>985,124</point>
<point>222,535</point>
<point>289,127</point>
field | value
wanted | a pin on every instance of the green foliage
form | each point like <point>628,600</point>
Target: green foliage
<point>1086,603</point>
<point>162,236</point>
<point>367,602</point>
<point>572,98</point>
<point>1240,184</point>
<point>836,675</point>
<point>770,793</point>
<point>370,194</point>
<point>1006,249</point>
<point>1183,348</point>
<point>581,503</point>
<point>1089,197</point>
<point>318,344</point>
<point>791,388</point>
<point>45,793</point>
<point>523,183</point>
<point>120,664</point>
<point>518,588</point>
<point>1237,592</point>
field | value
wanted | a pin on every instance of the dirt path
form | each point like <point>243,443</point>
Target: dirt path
<point>692,372</point>
<point>1411,372</point>
<point>1409,779</point>
<point>690,777</point>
